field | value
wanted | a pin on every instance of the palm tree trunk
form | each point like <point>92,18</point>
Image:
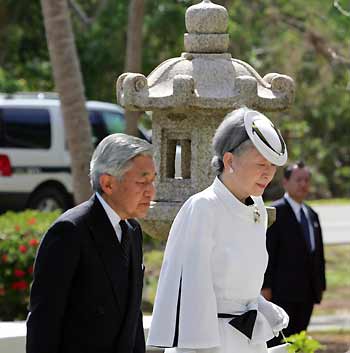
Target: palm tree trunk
<point>134,54</point>
<point>69,84</point>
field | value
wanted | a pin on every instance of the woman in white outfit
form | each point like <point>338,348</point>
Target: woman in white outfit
<point>208,297</point>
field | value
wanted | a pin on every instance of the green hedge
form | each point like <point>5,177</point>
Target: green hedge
<point>20,234</point>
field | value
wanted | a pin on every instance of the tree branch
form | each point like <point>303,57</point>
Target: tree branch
<point>322,47</point>
<point>340,9</point>
<point>82,16</point>
<point>319,43</point>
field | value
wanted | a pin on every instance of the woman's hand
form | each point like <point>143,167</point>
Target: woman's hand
<point>266,293</point>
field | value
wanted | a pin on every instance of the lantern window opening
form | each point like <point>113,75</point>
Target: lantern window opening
<point>178,159</point>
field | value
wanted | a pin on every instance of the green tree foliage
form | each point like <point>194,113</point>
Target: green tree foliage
<point>101,48</point>
<point>24,59</point>
<point>307,40</point>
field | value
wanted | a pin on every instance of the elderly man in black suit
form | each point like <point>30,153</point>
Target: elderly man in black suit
<point>88,273</point>
<point>295,276</point>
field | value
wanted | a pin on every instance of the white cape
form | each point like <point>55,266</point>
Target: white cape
<point>216,253</point>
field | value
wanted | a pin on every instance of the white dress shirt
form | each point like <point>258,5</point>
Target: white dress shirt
<point>112,216</point>
<point>296,206</point>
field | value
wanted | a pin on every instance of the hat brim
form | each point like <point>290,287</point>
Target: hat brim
<point>266,143</point>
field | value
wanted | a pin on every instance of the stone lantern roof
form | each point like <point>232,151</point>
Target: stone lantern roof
<point>205,76</point>
<point>189,96</point>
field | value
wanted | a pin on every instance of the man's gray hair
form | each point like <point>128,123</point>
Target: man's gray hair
<point>230,136</point>
<point>113,156</point>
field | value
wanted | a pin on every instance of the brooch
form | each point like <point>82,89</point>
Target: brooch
<point>256,215</point>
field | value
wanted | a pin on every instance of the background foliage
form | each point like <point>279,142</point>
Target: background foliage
<point>20,235</point>
<point>307,40</point>
<point>301,342</point>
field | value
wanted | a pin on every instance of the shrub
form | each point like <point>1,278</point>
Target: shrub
<point>303,343</point>
<point>20,234</point>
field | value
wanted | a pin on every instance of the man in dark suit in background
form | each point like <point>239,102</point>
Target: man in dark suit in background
<point>88,273</point>
<point>295,276</point>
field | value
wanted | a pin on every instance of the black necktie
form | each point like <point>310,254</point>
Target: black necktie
<point>125,242</point>
<point>305,226</point>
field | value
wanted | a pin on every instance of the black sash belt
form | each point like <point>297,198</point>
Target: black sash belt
<point>243,323</point>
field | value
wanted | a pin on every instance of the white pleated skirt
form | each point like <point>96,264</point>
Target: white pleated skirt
<point>232,341</point>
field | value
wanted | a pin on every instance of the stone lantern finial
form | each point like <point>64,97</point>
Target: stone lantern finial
<point>206,24</point>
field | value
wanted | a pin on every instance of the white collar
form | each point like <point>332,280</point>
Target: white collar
<point>296,206</point>
<point>112,215</point>
<point>232,202</point>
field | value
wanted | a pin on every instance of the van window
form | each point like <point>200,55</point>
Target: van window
<point>104,123</point>
<point>25,128</point>
<point>115,122</point>
<point>97,127</point>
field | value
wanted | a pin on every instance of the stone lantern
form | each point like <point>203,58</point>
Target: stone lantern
<point>188,97</point>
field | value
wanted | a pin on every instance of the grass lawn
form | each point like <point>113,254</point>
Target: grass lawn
<point>329,202</point>
<point>337,296</point>
<point>336,299</point>
<point>321,202</point>
<point>334,342</point>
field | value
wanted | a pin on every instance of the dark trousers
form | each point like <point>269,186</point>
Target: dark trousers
<point>299,318</point>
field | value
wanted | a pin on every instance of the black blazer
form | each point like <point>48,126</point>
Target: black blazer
<point>76,293</point>
<point>293,273</point>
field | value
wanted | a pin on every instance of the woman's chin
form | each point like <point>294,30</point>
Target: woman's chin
<point>257,193</point>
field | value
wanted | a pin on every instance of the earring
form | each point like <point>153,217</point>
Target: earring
<point>230,170</point>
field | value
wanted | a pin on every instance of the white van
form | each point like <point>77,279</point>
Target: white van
<point>34,159</point>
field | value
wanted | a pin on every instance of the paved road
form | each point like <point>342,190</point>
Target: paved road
<point>335,222</point>
<point>340,322</point>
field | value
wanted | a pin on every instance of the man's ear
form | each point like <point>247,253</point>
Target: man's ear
<point>106,183</point>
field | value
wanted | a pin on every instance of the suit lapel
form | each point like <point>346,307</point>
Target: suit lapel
<point>315,227</point>
<point>293,217</point>
<point>297,224</point>
<point>107,245</point>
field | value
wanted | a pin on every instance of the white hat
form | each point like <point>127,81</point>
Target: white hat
<point>265,137</point>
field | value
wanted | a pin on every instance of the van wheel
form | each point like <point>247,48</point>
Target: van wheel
<point>49,199</point>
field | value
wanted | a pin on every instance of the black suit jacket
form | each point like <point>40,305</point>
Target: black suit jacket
<point>76,295</point>
<point>293,273</point>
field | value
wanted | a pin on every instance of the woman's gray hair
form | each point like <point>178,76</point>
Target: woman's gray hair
<point>230,136</point>
<point>113,156</point>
